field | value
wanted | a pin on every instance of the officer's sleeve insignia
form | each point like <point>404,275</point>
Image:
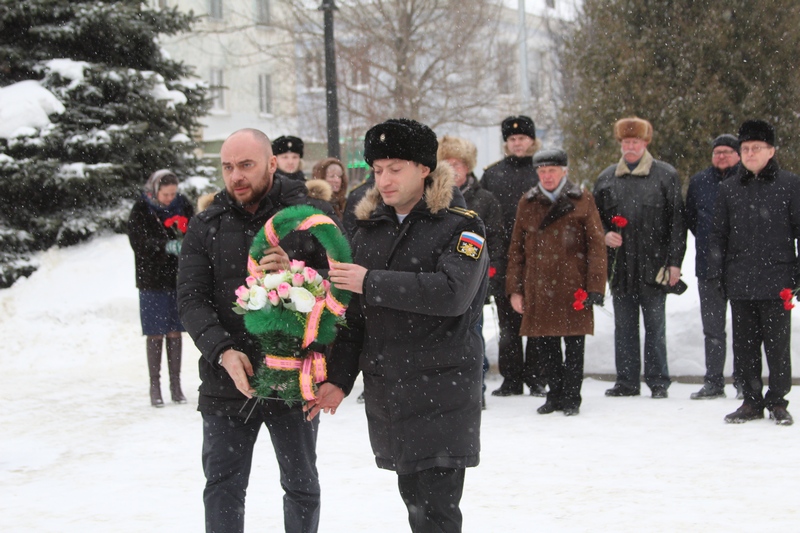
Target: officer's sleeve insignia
<point>470,244</point>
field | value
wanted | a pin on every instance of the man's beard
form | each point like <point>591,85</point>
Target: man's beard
<point>257,193</point>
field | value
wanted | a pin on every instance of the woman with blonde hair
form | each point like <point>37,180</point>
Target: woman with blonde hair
<point>332,170</point>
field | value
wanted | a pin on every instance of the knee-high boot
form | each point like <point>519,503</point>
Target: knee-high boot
<point>174,346</point>
<point>154,344</point>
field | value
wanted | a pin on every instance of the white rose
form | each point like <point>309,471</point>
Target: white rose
<point>258,297</point>
<point>271,281</point>
<point>302,300</point>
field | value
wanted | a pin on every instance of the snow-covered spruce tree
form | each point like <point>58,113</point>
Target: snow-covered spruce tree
<point>89,106</point>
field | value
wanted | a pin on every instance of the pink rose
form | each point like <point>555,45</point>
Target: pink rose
<point>241,303</point>
<point>296,266</point>
<point>298,280</point>
<point>242,292</point>
<point>283,290</point>
<point>273,298</point>
<point>309,274</point>
<point>326,285</point>
<point>250,281</point>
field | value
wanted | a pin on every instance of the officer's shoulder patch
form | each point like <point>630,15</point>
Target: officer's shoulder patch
<point>466,213</point>
<point>470,244</point>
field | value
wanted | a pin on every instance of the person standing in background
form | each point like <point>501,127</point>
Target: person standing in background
<point>700,202</point>
<point>156,245</point>
<point>508,180</point>
<point>288,151</point>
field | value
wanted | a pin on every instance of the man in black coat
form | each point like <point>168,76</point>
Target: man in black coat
<point>508,180</point>
<point>700,201</point>
<point>645,258</point>
<point>753,259</point>
<point>288,150</point>
<point>213,264</point>
<point>419,278</point>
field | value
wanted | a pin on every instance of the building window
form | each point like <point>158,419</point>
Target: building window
<point>265,94</point>
<point>262,12</point>
<point>314,70</point>
<point>215,9</point>
<point>216,90</point>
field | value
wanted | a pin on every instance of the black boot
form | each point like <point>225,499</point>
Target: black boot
<point>174,345</point>
<point>154,344</point>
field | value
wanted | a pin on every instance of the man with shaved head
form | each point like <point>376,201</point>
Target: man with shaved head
<point>213,264</point>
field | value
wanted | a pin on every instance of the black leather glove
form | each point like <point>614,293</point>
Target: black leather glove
<point>594,298</point>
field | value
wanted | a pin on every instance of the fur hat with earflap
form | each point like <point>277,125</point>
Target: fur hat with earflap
<point>457,148</point>
<point>633,127</point>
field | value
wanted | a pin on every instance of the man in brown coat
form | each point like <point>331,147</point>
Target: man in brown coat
<point>556,272</point>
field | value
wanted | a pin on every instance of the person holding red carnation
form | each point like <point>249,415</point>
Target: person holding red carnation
<point>556,272</point>
<point>646,194</point>
<point>753,261</point>
<point>157,221</point>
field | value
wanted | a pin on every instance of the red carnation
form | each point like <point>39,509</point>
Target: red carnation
<point>619,221</point>
<point>181,222</point>
<point>492,271</point>
<point>787,295</point>
<point>788,305</point>
<point>580,297</point>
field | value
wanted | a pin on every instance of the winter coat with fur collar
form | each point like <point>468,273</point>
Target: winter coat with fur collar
<point>649,197</point>
<point>556,249</point>
<point>213,264</point>
<point>411,333</point>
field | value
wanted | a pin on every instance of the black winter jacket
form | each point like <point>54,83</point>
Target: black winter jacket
<point>155,268</point>
<point>508,180</point>
<point>213,265</point>
<point>490,211</point>
<point>411,333</point>
<point>655,237</point>
<point>701,200</point>
<point>755,236</point>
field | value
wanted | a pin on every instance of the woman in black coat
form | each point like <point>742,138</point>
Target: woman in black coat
<point>155,229</point>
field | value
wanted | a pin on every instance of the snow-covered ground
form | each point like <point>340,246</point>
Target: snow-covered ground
<point>82,450</point>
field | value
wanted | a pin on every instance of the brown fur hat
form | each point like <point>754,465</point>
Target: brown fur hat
<point>319,189</point>
<point>636,127</point>
<point>458,148</point>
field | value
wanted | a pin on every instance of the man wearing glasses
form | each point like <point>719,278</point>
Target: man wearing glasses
<point>753,259</point>
<point>700,201</point>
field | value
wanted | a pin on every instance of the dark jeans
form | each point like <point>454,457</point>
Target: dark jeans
<point>515,369</point>
<point>757,322</point>
<point>564,374</point>
<point>432,497</point>
<point>627,346</point>
<point>713,311</point>
<point>227,457</point>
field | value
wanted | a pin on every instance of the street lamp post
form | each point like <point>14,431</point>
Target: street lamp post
<point>331,97</point>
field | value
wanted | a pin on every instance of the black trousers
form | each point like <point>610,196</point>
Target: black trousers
<point>564,373</point>
<point>227,458</point>
<point>713,310</point>
<point>432,497</point>
<point>515,368</point>
<point>757,322</point>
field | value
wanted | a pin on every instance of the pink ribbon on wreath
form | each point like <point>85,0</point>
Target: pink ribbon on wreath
<point>312,370</point>
<point>307,223</point>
